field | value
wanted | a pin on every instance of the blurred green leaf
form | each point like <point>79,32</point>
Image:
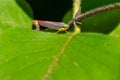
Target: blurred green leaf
<point>31,55</point>
<point>103,23</point>
<point>91,4</point>
<point>12,16</point>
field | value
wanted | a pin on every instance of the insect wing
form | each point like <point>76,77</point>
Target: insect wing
<point>51,24</point>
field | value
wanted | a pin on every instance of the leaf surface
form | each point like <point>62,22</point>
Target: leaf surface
<point>37,55</point>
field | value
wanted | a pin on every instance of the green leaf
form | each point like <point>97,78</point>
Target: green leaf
<point>27,55</point>
<point>116,31</point>
<point>12,16</point>
<point>37,55</point>
<point>103,23</point>
<point>91,4</point>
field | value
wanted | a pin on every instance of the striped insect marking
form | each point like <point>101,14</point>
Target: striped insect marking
<point>60,26</point>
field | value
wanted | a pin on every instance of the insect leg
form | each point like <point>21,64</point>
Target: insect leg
<point>46,29</point>
<point>36,25</point>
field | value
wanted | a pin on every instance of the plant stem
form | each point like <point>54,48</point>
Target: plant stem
<point>76,7</point>
<point>76,12</point>
<point>79,18</point>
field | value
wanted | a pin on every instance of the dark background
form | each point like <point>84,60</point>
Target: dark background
<point>50,9</point>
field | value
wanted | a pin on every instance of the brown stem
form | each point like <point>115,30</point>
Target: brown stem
<point>79,18</point>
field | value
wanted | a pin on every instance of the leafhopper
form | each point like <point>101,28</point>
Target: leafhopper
<point>59,26</point>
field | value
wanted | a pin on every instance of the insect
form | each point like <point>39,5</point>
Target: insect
<point>60,26</point>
